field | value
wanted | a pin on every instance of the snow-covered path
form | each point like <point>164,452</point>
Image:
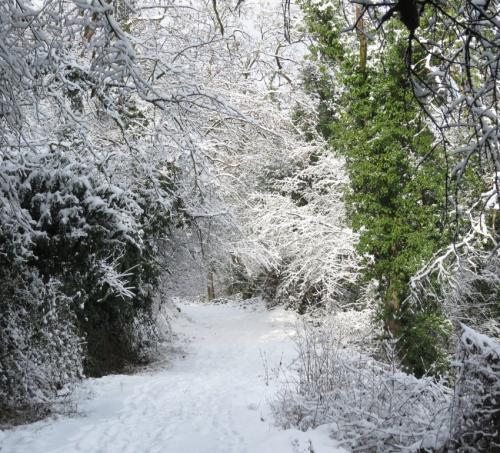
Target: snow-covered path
<point>212,399</point>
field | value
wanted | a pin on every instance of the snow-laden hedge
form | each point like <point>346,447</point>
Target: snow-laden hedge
<point>78,275</point>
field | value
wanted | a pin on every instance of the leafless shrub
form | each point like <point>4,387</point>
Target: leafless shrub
<point>371,405</point>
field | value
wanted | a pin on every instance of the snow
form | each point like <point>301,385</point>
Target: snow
<point>211,398</point>
<point>481,343</point>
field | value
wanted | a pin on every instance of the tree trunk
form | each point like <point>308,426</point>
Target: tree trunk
<point>393,304</point>
<point>210,285</point>
<point>363,43</point>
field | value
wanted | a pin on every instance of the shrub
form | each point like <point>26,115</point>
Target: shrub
<point>79,276</point>
<point>476,410</point>
<point>40,348</point>
<point>372,406</point>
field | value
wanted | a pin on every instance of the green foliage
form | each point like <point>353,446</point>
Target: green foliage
<point>426,339</point>
<point>397,191</point>
<point>96,245</point>
<point>397,196</point>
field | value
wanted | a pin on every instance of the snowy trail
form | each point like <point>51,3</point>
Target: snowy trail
<point>212,399</point>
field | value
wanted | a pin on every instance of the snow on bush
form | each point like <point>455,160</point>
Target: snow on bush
<point>40,348</point>
<point>78,276</point>
<point>476,413</point>
<point>372,406</point>
<point>464,278</point>
<point>303,220</point>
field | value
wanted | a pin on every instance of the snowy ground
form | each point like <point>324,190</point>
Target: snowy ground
<point>213,398</point>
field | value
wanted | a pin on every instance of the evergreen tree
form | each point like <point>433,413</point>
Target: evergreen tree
<point>396,198</point>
